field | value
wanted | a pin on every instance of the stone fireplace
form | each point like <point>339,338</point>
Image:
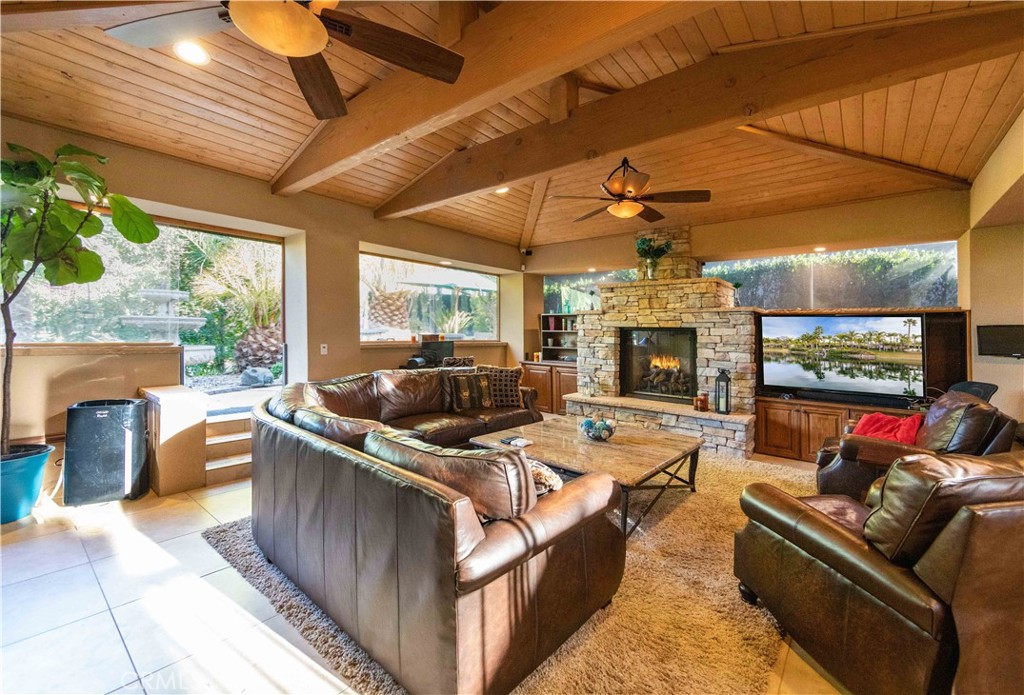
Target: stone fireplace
<point>616,352</point>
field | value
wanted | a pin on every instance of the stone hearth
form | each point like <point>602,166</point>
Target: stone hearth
<point>725,339</point>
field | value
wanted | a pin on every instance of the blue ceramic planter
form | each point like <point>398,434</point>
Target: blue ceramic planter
<point>21,479</point>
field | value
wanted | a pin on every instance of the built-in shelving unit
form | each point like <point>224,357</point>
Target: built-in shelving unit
<point>558,337</point>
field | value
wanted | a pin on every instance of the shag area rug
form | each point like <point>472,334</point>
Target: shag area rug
<point>677,623</point>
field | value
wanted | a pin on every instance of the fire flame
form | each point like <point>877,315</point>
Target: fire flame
<point>664,362</point>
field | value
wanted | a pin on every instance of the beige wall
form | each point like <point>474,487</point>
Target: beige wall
<point>328,283</point>
<point>997,296</point>
<point>919,218</point>
<point>1001,174</point>
<point>49,378</point>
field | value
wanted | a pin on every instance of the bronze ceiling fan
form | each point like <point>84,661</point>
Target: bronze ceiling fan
<point>627,190</point>
<point>300,31</point>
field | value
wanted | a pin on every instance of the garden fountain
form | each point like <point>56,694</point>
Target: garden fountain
<point>165,324</point>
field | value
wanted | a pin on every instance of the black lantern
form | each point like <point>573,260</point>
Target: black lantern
<point>723,401</point>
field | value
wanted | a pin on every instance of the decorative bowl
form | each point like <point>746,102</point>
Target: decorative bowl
<point>599,430</point>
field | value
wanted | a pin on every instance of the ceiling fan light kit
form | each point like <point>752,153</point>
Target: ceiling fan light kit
<point>285,28</point>
<point>627,190</point>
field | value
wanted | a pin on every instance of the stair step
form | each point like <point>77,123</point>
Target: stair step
<point>228,468</point>
<point>228,445</point>
<point>217,425</point>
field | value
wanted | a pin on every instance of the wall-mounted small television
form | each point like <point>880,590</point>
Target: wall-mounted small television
<point>1001,341</point>
<point>868,354</point>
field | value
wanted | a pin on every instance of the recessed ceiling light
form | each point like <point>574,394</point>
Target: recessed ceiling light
<point>446,262</point>
<point>191,52</point>
<point>502,190</point>
<point>591,270</point>
<point>819,249</point>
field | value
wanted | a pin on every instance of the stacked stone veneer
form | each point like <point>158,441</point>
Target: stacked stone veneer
<point>725,339</point>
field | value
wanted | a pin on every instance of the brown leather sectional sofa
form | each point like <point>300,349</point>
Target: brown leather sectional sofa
<point>401,560</point>
<point>414,402</point>
<point>917,589</point>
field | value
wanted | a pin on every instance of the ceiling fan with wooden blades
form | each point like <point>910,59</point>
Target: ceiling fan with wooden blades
<point>300,31</point>
<point>627,191</point>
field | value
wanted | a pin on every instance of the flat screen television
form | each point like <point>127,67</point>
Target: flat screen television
<point>1001,341</point>
<point>865,354</point>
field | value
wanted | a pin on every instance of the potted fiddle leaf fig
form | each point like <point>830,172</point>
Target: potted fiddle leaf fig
<point>44,238</point>
<point>651,253</point>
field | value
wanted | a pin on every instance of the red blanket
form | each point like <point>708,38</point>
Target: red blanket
<point>891,427</point>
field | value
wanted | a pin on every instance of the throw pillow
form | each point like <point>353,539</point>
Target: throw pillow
<point>544,478</point>
<point>458,361</point>
<point>889,427</point>
<point>504,385</point>
<point>498,482</point>
<point>470,392</point>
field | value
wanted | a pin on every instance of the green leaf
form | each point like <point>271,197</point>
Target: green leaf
<point>15,195</point>
<point>20,244</point>
<point>74,219</point>
<point>73,266</point>
<point>45,165</point>
<point>134,224</point>
<point>13,171</point>
<point>90,185</point>
<point>76,151</point>
<point>10,271</point>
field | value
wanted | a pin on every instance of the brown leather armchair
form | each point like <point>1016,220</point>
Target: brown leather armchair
<point>921,588</point>
<point>956,423</point>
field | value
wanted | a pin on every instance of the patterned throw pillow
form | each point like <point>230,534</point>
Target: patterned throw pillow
<point>470,392</point>
<point>504,385</point>
<point>545,479</point>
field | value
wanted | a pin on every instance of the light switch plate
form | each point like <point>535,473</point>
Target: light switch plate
<point>323,348</point>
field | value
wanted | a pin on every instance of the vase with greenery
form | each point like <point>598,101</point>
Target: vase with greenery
<point>42,234</point>
<point>651,254</point>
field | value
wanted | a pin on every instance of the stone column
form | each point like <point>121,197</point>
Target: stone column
<point>678,263</point>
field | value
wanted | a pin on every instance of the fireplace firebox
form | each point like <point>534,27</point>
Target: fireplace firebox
<point>658,363</point>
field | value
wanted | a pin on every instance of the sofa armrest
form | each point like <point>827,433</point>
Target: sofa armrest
<point>851,424</point>
<point>511,542</point>
<point>530,402</point>
<point>844,551</point>
<point>876,452</point>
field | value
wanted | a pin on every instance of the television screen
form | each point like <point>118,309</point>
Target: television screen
<point>1001,341</point>
<point>864,354</point>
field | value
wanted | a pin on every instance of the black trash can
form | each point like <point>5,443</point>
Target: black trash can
<point>105,451</point>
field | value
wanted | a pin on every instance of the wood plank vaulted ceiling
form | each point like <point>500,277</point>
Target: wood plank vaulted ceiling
<point>244,113</point>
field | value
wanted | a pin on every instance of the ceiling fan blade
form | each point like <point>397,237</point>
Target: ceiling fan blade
<point>578,197</point>
<point>591,214</point>
<point>697,196</point>
<point>649,214</point>
<point>397,47</point>
<point>167,29</point>
<point>318,86</point>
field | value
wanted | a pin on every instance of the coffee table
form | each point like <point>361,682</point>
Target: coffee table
<point>634,456</point>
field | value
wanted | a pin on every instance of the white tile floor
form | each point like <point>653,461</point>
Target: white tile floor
<point>127,597</point>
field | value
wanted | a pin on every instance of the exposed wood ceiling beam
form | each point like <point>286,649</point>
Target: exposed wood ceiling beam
<point>540,189</point>
<point>722,92</point>
<point>452,18</point>
<point>864,161</point>
<point>509,50</point>
<point>938,16</point>
<point>563,98</point>
<point>41,16</point>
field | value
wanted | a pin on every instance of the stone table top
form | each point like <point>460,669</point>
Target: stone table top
<point>631,456</point>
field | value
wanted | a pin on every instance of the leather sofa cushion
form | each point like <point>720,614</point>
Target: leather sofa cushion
<point>497,419</point>
<point>351,396</point>
<point>922,493</point>
<point>957,423</point>
<point>843,510</point>
<point>344,430</point>
<point>499,483</point>
<point>443,429</point>
<point>287,401</point>
<point>405,392</point>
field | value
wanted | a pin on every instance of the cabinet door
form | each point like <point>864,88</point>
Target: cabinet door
<point>816,425</point>
<point>778,429</point>
<point>565,383</point>
<point>539,377</point>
